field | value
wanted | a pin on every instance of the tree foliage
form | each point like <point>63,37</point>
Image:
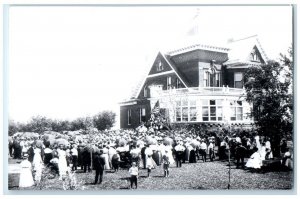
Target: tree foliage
<point>40,124</point>
<point>268,87</point>
<point>104,120</point>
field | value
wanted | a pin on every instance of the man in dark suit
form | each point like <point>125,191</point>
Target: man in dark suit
<point>86,159</point>
<point>30,153</point>
<point>99,163</point>
<point>144,156</point>
<point>240,153</point>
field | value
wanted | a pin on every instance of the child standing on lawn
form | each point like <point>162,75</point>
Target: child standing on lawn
<point>166,163</point>
<point>134,172</point>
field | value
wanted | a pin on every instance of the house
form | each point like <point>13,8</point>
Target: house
<point>199,84</point>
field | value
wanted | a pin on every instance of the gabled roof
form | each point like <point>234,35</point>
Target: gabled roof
<point>240,50</point>
<point>198,47</point>
<point>138,89</point>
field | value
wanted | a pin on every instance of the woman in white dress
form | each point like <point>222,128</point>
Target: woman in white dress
<point>149,161</point>
<point>170,154</point>
<point>106,158</point>
<point>254,161</point>
<point>26,179</point>
<point>37,164</point>
<point>263,151</point>
<point>62,162</point>
<point>257,142</point>
<point>111,152</point>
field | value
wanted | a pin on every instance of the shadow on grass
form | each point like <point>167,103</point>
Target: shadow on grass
<point>125,178</point>
<point>158,176</point>
<point>124,188</point>
<point>199,188</point>
<point>143,176</point>
<point>110,171</point>
<point>89,183</point>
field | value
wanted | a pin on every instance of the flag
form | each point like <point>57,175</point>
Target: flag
<point>156,108</point>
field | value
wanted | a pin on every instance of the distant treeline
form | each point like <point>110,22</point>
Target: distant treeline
<point>103,120</point>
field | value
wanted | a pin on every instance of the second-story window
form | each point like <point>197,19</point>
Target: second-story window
<point>238,80</point>
<point>205,79</point>
<point>169,83</point>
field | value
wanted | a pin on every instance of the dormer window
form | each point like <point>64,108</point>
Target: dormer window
<point>254,56</point>
<point>159,66</point>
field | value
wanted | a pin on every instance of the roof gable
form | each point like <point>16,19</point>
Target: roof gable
<point>163,59</point>
<point>160,65</point>
<point>241,51</point>
<point>255,56</point>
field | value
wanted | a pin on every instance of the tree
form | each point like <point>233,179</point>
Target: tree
<point>60,125</point>
<point>82,123</point>
<point>268,88</point>
<point>13,127</point>
<point>39,124</point>
<point>104,120</point>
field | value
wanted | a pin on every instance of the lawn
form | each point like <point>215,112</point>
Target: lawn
<point>198,176</point>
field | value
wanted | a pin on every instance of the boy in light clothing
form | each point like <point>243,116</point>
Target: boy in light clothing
<point>134,172</point>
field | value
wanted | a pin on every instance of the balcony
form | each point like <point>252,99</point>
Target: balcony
<point>199,91</point>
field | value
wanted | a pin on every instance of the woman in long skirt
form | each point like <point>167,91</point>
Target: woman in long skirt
<point>192,158</point>
<point>254,161</point>
<point>106,159</point>
<point>37,165</point>
<point>62,162</point>
<point>170,154</point>
<point>150,164</point>
<point>26,179</point>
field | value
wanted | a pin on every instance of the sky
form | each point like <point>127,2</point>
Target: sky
<point>68,62</point>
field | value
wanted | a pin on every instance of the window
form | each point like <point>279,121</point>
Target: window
<point>129,116</point>
<point>205,114</point>
<point>211,80</point>
<point>169,83</point>
<point>159,66</point>
<point>254,56</point>
<point>178,83</point>
<point>186,110</point>
<point>236,108</point>
<point>193,110</point>
<point>178,114</point>
<point>205,79</point>
<point>217,76</point>
<point>142,115</point>
<point>212,110</point>
<point>238,80</point>
<point>145,91</point>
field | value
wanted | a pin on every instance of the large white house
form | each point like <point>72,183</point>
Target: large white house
<point>197,84</point>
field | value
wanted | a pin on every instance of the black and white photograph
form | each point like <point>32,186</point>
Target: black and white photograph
<point>133,98</point>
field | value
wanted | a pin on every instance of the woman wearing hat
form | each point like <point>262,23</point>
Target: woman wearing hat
<point>62,161</point>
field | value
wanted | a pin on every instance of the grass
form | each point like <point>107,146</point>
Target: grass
<point>198,176</point>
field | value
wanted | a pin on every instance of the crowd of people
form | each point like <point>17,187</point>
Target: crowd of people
<point>134,149</point>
